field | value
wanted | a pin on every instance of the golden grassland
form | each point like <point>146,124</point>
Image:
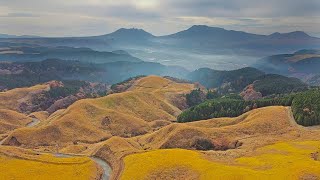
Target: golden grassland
<point>133,129</point>
<point>255,129</point>
<point>285,160</point>
<point>11,99</point>
<point>124,114</point>
<point>10,120</point>
<point>271,121</point>
<point>16,163</point>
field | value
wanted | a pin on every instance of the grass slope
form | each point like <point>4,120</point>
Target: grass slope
<point>16,163</point>
<point>126,114</point>
<point>13,98</point>
<point>255,129</point>
<point>286,160</point>
<point>10,120</point>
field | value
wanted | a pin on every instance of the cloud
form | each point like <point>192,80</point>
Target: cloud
<point>91,17</point>
<point>21,15</point>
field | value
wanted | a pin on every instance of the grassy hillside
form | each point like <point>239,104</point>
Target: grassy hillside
<point>10,120</point>
<point>229,107</point>
<point>221,134</point>
<point>304,105</point>
<point>12,99</point>
<point>136,127</point>
<point>242,137</point>
<point>22,164</point>
<point>279,161</point>
<point>126,114</point>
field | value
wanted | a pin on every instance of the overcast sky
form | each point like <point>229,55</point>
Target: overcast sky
<point>159,17</point>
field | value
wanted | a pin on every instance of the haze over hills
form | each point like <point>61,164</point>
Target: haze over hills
<point>200,103</point>
<point>14,52</point>
<point>303,64</point>
<point>22,74</point>
<point>209,45</point>
<point>159,90</point>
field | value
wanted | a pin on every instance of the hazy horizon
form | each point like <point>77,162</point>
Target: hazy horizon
<point>318,36</point>
<point>89,18</point>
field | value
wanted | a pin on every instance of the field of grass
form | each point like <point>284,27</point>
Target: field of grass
<point>10,120</point>
<point>135,131</point>
<point>270,121</point>
<point>286,160</point>
<point>124,114</point>
<point>13,98</point>
<point>24,164</point>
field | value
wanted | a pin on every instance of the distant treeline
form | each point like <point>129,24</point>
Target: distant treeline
<point>305,107</point>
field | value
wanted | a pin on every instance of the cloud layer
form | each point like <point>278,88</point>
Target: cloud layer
<point>93,17</point>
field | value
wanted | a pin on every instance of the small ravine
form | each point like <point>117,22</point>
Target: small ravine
<point>2,141</point>
<point>105,166</point>
<point>34,122</point>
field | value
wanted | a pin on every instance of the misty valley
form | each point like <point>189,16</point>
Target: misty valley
<point>235,98</point>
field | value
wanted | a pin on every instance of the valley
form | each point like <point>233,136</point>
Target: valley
<point>201,102</point>
<point>137,127</point>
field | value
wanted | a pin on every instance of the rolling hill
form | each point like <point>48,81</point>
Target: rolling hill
<point>45,166</point>
<point>137,128</point>
<point>10,120</point>
<point>149,104</point>
<point>240,136</point>
<point>13,99</point>
<point>289,160</point>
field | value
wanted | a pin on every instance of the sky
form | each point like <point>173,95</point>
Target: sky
<point>159,17</point>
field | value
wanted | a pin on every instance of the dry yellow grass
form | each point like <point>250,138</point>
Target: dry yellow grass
<point>124,114</point>
<point>271,121</point>
<point>41,115</point>
<point>24,164</point>
<point>255,129</point>
<point>10,120</point>
<point>13,98</point>
<point>139,120</point>
<point>287,160</point>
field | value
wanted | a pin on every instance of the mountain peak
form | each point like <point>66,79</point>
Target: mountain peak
<point>294,34</point>
<point>131,32</point>
<point>203,28</point>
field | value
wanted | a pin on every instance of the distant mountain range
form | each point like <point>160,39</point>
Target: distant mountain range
<point>38,53</point>
<point>197,38</point>
<point>22,74</point>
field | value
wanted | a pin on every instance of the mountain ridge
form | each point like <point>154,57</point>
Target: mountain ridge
<point>191,28</point>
